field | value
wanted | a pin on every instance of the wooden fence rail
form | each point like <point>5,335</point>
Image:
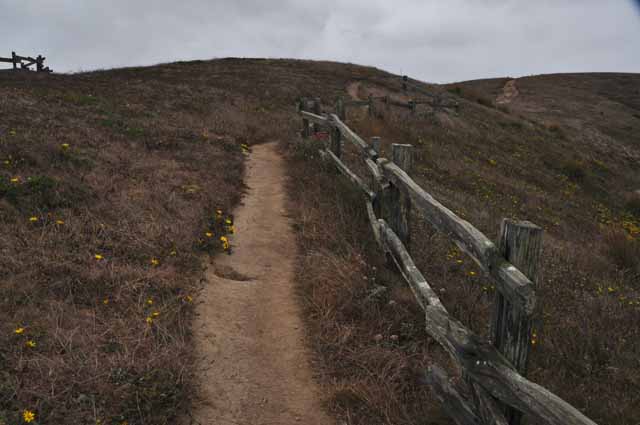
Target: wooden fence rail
<point>435,100</point>
<point>26,62</point>
<point>493,372</point>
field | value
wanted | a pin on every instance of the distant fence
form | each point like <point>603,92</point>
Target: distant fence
<point>493,389</point>
<point>25,62</point>
<point>436,101</point>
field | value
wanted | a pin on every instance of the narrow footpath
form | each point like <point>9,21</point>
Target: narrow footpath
<point>253,361</point>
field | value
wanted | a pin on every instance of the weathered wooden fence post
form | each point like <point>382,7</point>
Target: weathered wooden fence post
<point>372,110</point>
<point>14,59</point>
<point>340,110</point>
<point>398,203</point>
<point>412,106</point>
<point>375,144</point>
<point>520,243</point>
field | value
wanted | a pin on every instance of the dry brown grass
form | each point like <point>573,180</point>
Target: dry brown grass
<point>486,165</point>
<point>153,151</point>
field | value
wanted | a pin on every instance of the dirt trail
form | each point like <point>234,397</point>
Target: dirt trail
<point>509,92</point>
<point>249,334</point>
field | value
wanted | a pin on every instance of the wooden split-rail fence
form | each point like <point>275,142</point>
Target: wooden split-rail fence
<point>25,62</point>
<point>493,388</point>
<point>435,101</point>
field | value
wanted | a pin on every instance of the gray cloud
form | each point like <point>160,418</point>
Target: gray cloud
<point>433,40</point>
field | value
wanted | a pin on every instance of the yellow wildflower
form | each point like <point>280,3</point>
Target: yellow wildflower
<point>225,243</point>
<point>219,212</point>
<point>98,257</point>
<point>155,314</point>
<point>19,331</point>
<point>65,146</point>
<point>31,344</point>
<point>12,132</point>
<point>15,179</point>
<point>228,222</point>
<point>154,262</point>
<point>173,253</point>
<point>28,416</point>
<point>472,273</point>
<point>459,261</point>
<point>189,298</point>
<point>149,320</point>
<point>105,301</point>
<point>60,222</point>
<point>33,219</point>
<point>150,301</point>
<point>493,162</point>
<point>209,234</point>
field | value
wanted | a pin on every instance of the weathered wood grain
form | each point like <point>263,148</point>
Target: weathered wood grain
<point>511,332</point>
<point>488,408</point>
<point>376,144</point>
<point>456,406</point>
<point>375,226</point>
<point>314,118</point>
<point>376,174</point>
<point>397,201</point>
<point>483,364</point>
<point>425,295</point>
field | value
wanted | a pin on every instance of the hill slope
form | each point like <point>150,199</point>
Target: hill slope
<point>131,165</point>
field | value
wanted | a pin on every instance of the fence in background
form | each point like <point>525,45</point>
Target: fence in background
<point>26,62</point>
<point>435,101</point>
<point>493,389</point>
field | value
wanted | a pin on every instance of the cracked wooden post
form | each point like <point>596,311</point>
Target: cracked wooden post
<point>512,332</point>
<point>398,203</point>
<point>316,109</point>
<point>340,110</point>
<point>375,144</point>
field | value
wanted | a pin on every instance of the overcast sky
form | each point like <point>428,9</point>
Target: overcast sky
<point>432,40</point>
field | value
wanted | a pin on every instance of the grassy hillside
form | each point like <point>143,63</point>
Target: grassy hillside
<point>131,165</point>
<point>548,157</point>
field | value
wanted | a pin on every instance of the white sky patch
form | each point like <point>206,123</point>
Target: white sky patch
<point>433,40</point>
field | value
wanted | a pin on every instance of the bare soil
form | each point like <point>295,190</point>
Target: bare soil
<point>509,92</point>
<point>249,336</point>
